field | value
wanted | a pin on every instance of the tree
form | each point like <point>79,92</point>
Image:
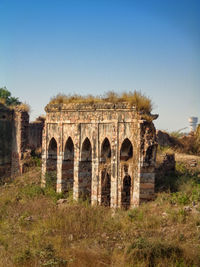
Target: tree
<point>6,96</point>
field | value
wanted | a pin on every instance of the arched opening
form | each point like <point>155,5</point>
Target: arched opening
<point>150,155</point>
<point>68,166</point>
<point>126,154</point>
<point>126,192</point>
<point>126,151</point>
<point>85,171</point>
<point>51,176</point>
<point>105,166</point>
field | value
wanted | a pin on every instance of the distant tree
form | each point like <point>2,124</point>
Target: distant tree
<point>8,99</point>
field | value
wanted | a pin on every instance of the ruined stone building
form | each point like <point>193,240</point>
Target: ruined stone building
<point>18,138</point>
<point>102,152</point>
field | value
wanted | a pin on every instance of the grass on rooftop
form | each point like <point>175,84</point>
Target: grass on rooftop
<point>137,99</point>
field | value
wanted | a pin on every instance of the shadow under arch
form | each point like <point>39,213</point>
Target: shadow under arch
<point>126,155</point>
<point>85,171</point>
<point>68,166</point>
<point>51,176</point>
<point>105,167</point>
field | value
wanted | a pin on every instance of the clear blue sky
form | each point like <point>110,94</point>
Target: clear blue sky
<point>92,46</point>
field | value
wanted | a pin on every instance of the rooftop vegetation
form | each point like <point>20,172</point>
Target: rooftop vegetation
<point>12,102</point>
<point>136,98</point>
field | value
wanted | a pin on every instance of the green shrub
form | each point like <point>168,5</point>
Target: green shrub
<point>31,191</point>
<point>150,252</point>
<point>49,259</point>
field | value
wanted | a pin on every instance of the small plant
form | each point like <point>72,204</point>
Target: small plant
<point>31,191</point>
<point>49,259</point>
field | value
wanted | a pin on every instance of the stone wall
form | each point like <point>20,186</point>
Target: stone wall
<point>19,141</point>
<point>17,138</point>
<point>111,156</point>
<point>35,133</point>
<point>6,118</point>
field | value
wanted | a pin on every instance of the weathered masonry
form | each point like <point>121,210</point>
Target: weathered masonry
<point>18,138</point>
<point>102,152</point>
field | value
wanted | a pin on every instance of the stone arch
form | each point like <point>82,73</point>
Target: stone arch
<point>68,166</point>
<point>51,177</point>
<point>105,167</point>
<point>126,151</point>
<point>126,155</point>
<point>85,171</point>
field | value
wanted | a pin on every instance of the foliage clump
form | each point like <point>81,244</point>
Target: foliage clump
<point>136,98</point>
<point>12,102</point>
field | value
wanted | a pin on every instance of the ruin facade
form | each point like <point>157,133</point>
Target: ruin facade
<point>18,138</point>
<point>101,152</point>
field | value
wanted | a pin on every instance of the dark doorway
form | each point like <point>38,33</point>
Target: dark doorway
<point>105,166</point>
<point>68,167</point>
<point>126,192</point>
<point>51,176</point>
<point>85,171</point>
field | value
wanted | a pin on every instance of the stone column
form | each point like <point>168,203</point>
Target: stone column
<point>44,155</point>
<point>19,141</point>
<point>76,162</point>
<point>59,172</point>
<point>95,166</point>
<point>114,167</point>
<point>76,173</point>
<point>59,158</point>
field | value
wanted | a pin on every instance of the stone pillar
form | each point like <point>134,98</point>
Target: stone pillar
<point>77,146</point>
<point>59,157</point>
<point>44,155</point>
<point>114,167</point>
<point>95,166</point>
<point>59,172</point>
<point>120,177</point>
<point>76,173</point>
<point>19,141</point>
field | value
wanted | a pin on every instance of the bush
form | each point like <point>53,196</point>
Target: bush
<point>150,252</point>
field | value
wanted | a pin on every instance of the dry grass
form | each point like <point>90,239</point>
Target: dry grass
<point>21,107</point>
<point>137,99</point>
<point>34,231</point>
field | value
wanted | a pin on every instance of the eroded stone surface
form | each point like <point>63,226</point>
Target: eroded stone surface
<point>103,152</point>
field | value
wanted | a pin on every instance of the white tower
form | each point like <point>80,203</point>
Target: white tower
<point>193,123</point>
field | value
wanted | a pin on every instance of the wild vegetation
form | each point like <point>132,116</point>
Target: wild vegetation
<point>37,231</point>
<point>181,142</point>
<point>12,102</point>
<point>137,99</point>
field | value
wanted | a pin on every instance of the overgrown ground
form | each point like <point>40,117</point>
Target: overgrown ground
<point>35,231</point>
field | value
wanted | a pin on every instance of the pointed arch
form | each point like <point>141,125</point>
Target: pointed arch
<point>68,166</point>
<point>105,150</point>
<point>86,151</point>
<point>105,166</point>
<point>85,170</point>
<point>126,151</point>
<point>51,176</point>
<point>126,155</point>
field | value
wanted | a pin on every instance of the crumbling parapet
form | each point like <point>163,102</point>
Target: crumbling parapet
<point>103,152</point>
